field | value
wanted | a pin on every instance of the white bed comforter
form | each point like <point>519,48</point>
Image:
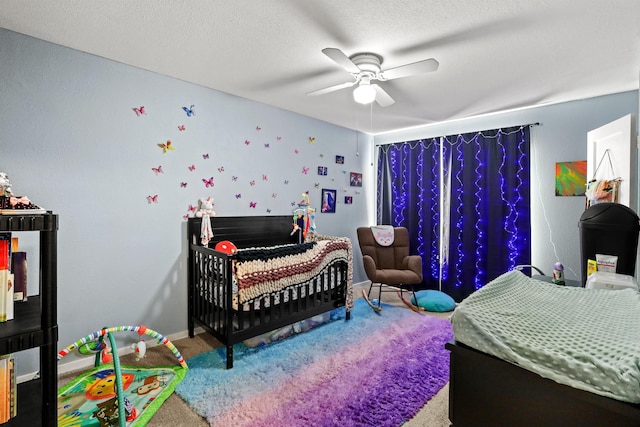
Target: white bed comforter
<point>588,339</point>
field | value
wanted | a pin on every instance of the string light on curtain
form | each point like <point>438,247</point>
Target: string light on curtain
<point>477,222</point>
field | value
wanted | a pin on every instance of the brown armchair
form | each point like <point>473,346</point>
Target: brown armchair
<point>389,265</point>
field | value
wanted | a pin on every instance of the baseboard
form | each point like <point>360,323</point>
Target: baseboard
<point>88,362</point>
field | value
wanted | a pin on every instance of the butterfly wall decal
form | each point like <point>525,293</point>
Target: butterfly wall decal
<point>205,156</point>
<point>238,196</point>
<point>234,178</point>
<point>181,128</point>
<point>158,170</point>
<point>274,195</point>
<point>252,204</point>
<point>152,199</point>
<point>189,111</point>
<point>258,128</point>
<point>268,210</point>
<point>252,183</point>
<point>286,181</point>
<point>183,184</point>
<point>140,111</point>
<point>247,142</point>
<point>221,169</point>
<point>192,168</point>
<point>166,147</point>
<point>305,170</point>
<point>296,151</point>
<point>278,138</point>
<point>185,216</point>
<point>312,140</point>
<point>208,182</point>
<point>317,185</point>
<point>192,208</point>
<point>265,177</point>
<point>266,145</point>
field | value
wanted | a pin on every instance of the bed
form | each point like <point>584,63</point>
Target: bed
<point>275,278</point>
<point>526,352</point>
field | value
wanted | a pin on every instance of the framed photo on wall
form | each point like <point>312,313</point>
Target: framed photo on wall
<point>328,201</point>
<point>355,179</point>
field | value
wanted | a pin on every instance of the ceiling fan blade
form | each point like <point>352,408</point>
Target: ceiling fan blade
<point>419,67</point>
<point>382,98</point>
<point>341,59</point>
<point>332,88</point>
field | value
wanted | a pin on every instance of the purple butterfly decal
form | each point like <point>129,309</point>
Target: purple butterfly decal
<point>221,169</point>
<point>208,182</point>
<point>278,138</point>
<point>239,195</point>
<point>183,184</point>
<point>247,142</point>
<point>268,210</point>
<point>286,181</point>
<point>234,178</point>
<point>205,156</point>
<point>266,145</point>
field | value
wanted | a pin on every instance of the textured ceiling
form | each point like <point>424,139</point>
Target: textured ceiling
<point>494,55</point>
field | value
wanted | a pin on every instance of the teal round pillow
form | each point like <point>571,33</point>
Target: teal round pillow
<point>432,300</point>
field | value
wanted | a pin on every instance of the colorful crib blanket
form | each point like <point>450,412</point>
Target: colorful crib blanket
<point>260,271</point>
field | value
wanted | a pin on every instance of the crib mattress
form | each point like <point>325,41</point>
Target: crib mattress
<point>588,339</point>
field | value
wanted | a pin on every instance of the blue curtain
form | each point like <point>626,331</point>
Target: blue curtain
<point>465,201</point>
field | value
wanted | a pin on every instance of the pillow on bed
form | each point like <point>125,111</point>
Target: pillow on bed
<point>432,300</point>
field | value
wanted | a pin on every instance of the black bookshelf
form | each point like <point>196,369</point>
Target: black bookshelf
<point>35,325</point>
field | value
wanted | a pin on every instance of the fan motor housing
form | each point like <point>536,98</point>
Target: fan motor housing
<point>367,61</point>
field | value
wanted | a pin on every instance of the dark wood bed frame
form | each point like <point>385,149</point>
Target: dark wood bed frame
<point>487,391</point>
<point>210,282</point>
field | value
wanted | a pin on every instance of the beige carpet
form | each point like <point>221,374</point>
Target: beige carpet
<point>175,412</point>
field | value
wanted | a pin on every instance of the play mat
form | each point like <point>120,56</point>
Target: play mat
<point>90,399</point>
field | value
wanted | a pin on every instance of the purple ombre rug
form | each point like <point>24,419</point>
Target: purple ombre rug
<point>373,370</point>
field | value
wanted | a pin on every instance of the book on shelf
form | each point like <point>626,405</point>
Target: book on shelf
<point>8,388</point>
<point>19,270</point>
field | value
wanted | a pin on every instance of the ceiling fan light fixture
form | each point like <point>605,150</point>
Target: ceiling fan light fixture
<point>364,93</point>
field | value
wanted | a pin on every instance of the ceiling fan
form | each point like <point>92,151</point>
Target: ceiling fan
<point>365,68</point>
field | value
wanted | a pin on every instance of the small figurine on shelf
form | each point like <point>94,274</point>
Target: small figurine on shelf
<point>205,211</point>
<point>12,205</point>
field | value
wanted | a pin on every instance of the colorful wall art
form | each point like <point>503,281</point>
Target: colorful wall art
<point>571,178</point>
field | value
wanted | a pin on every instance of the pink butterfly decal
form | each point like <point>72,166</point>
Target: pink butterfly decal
<point>312,140</point>
<point>205,156</point>
<point>221,169</point>
<point>140,111</point>
<point>274,195</point>
<point>266,145</point>
<point>258,128</point>
<point>152,199</point>
<point>252,204</point>
<point>192,168</point>
<point>208,182</point>
<point>158,170</point>
<point>247,142</point>
<point>296,151</point>
<point>305,170</point>
<point>181,128</point>
<point>183,184</point>
<point>166,147</point>
<point>234,178</point>
<point>192,208</point>
<point>278,138</point>
<point>252,183</point>
<point>185,216</point>
<point>239,195</point>
<point>265,177</point>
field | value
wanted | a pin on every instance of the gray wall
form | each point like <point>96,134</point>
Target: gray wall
<point>561,137</point>
<point>71,142</point>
